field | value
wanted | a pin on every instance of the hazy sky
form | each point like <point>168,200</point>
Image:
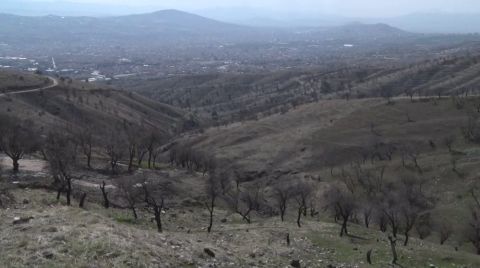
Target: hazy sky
<point>357,8</point>
<point>347,8</point>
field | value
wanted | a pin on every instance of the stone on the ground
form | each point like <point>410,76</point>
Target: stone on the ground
<point>19,220</point>
<point>209,252</point>
<point>295,263</point>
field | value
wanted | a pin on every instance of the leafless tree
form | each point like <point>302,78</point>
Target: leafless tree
<point>424,226</point>
<point>17,138</point>
<point>115,149</point>
<point>472,230</point>
<point>152,141</point>
<point>302,193</point>
<point>154,197</point>
<point>61,155</point>
<point>130,191</point>
<point>415,202</point>
<point>471,131</point>
<point>85,139</point>
<point>244,200</point>
<point>444,228</point>
<point>281,195</point>
<point>133,142</point>
<point>213,191</point>
<point>342,204</point>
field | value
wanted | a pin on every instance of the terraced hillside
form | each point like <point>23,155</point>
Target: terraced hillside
<point>438,77</point>
<point>224,98</point>
<point>78,103</point>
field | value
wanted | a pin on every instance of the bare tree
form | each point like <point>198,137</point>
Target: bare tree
<point>17,138</point>
<point>130,192</point>
<point>281,195</point>
<point>115,149</point>
<point>444,228</point>
<point>302,192</point>
<point>61,155</point>
<point>155,203</point>
<point>213,191</point>
<point>424,226</point>
<point>415,202</point>
<point>343,204</point>
<point>86,141</point>
<point>244,200</point>
<point>133,142</point>
<point>472,230</point>
<point>152,141</point>
<point>471,131</point>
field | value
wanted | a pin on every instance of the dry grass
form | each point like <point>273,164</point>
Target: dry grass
<point>60,236</point>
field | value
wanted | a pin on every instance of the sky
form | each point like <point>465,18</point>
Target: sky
<point>349,8</point>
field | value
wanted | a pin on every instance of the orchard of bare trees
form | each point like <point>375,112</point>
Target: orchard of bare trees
<point>365,192</point>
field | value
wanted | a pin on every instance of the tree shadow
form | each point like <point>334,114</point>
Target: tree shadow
<point>357,237</point>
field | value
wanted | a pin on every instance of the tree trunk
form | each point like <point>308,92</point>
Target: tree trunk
<point>82,200</point>
<point>106,202</point>
<point>140,158</point>
<point>158,219</point>
<point>282,214</point>
<point>89,161</point>
<point>130,163</point>
<point>134,211</point>
<point>149,159</point>
<point>299,216</point>
<point>59,192</point>
<point>369,256</point>
<point>405,243</point>
<point>69,191</point>
<point>211,209</point>
<point>210,224</point>
<point>366,219</point>
<point>393,248</point>
<point>344,229</point>
<point>16,166</point>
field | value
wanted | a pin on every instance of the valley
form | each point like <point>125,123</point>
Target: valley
<point>167,139</point>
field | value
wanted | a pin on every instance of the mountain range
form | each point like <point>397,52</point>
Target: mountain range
<point>170,26</point>
<point>424,22</point>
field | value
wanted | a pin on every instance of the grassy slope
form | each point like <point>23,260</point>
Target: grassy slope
<point>296,145</point>
<point>60,236</point>
<point>81,103</point>
<point>12,81</point>
<point>327,128</point>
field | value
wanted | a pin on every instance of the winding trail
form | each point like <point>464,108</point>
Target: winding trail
<point>52,85</point>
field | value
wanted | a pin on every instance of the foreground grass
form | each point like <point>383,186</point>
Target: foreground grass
<point>60,236</point>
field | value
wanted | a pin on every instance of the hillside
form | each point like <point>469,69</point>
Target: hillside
<point>445,76</point>
<point>222,98</point>
<point>316,143</point>
<point>13,81</point>
<point>321,141</point>
<point>79,104</point>
<point>73,237</point>
<point>162,27</point>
